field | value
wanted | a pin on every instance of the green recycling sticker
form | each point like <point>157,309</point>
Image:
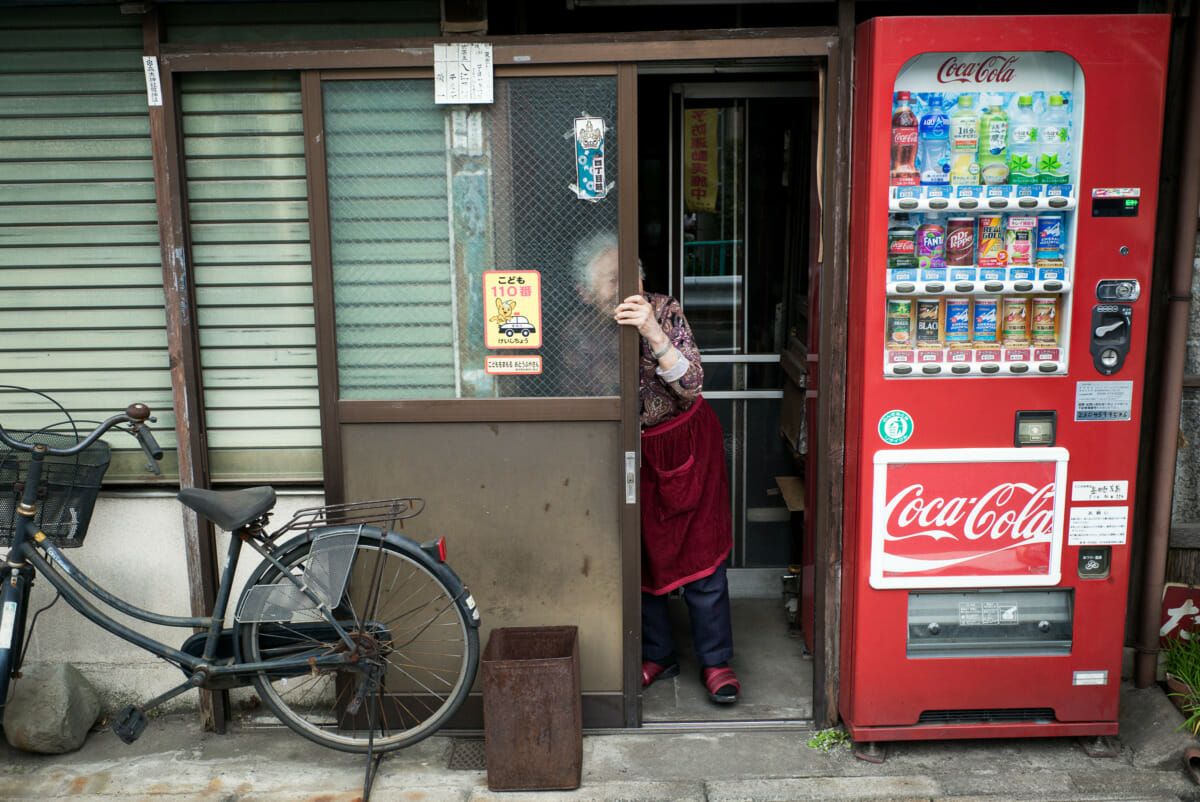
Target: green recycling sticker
<point>895,427</point>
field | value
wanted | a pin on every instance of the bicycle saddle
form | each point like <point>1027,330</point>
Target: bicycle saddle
<point>229,509</point>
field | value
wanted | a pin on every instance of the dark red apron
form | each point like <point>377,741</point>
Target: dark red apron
<point>686,527</point>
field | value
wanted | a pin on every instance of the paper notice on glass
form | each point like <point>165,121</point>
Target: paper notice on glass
<point>462,73</point>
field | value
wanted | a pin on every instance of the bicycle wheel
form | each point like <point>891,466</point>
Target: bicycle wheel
<point>415,651</point>
<point>14,599</point>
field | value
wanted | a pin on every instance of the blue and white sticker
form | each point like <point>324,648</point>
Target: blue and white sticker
<point>895,427</point>
<point>589,158</point>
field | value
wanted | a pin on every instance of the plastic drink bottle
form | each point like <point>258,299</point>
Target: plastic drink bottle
<point>1054,159</point>
<point>904,143</point>
<point>993,143</point>
<point>933,150</point>
<point>1023,143</point>
<point>964,142</point>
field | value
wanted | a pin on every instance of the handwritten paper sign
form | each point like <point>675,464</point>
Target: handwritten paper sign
<point>462,73</point>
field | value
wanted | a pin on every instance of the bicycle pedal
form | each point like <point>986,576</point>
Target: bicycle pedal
<point>130,724</point>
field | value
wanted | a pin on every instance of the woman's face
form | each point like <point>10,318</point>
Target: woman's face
<point>603,291</point>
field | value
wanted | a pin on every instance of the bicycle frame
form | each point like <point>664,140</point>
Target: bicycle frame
<point>201,670</point>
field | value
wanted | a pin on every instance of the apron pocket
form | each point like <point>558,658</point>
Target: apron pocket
<point>678,489</point>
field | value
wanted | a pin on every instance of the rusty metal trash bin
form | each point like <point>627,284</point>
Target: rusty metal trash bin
<point>532,709</point>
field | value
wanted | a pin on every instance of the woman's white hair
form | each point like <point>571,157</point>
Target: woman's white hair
<point>591,249</point>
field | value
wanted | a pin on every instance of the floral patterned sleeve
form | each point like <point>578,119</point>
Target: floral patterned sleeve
<point>665,394</point>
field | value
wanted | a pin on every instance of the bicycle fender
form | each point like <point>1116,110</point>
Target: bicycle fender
<point>410,547</point>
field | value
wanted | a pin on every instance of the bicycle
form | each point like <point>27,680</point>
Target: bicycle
<point>355,637</point>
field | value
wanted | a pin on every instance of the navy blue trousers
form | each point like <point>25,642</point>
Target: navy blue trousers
<point>708,609</point>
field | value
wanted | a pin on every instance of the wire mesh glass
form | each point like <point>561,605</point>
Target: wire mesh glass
<point>426,200</point>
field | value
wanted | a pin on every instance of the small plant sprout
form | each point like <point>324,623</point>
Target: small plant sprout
<point>826,740</point>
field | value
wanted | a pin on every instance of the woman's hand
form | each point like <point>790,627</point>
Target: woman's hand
<point>636,311</point>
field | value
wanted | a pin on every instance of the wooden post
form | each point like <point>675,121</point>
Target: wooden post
<point>831,401</point>
<point>182,340</point>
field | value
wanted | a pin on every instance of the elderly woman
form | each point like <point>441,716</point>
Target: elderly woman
<point>686,528</point>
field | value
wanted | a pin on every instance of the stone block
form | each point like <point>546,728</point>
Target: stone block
<point>51,709</point>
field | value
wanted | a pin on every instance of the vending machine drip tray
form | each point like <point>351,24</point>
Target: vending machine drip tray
<point>989,623</point>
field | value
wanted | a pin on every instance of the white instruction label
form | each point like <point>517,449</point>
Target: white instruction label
<point>153,85</point>
<point>1116,490</point>
<point>1103,401</point>
<point>1097,526</point>
<point>8,620</point>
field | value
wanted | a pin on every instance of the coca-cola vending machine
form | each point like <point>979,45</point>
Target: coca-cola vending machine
<point>1004,187</point>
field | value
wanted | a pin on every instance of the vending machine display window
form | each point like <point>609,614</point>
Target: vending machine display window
<point>983,182</point>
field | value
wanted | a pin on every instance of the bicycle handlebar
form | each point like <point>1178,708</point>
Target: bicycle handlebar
<point>136,414</point>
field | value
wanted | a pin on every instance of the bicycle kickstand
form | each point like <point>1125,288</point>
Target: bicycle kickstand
<point>367,689</point>
<point>131,721</point>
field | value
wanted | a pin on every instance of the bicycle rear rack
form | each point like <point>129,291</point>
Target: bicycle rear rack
<point>388,513</point>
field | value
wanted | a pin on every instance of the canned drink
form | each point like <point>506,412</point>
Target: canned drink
<point>958,323</point>
<point>983,321</point>
<point>1049,236</point>
<point>929,323</point>
<point>1014,330</point>
<point>991,241</point>
<point>1043,321</point>
<point>960,241</point>
<point>1019,232</point>
<point>899,323</point>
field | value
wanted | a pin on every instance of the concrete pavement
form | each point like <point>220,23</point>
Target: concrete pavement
<point>174,759</point>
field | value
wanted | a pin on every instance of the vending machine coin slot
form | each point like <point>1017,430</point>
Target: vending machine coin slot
<point>1111,325</point>
<point>1094,562</point>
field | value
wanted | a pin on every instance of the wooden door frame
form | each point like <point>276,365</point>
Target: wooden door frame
<point>830,47</point>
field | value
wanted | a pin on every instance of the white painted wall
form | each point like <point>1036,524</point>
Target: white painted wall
<point>135,549</point>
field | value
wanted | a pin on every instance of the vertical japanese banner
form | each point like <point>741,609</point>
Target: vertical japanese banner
<point>512,301</point>
<point>700,160</point>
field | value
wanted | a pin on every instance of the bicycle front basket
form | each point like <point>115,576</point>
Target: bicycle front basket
<point>67,492</point>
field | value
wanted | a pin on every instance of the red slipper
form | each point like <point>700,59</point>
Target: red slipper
<point>722,684</point>
<point>652,671</point>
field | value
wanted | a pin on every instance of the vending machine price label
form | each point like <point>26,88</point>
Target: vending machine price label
<point>1097,526</point>
<point>1116,490</point>
<point>1103,401</point>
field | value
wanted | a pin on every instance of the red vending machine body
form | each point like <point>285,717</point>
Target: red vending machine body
<point>999,294</point>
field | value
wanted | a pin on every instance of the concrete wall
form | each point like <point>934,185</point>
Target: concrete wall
<point>134,549</point>
<point>1186,503</point>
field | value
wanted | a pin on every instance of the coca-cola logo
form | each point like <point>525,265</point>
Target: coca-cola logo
<point>1013,510</point>
<point>991,70</point>
<point>940,522</point>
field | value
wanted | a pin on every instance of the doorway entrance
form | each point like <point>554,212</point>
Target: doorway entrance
<point>726,161</point>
